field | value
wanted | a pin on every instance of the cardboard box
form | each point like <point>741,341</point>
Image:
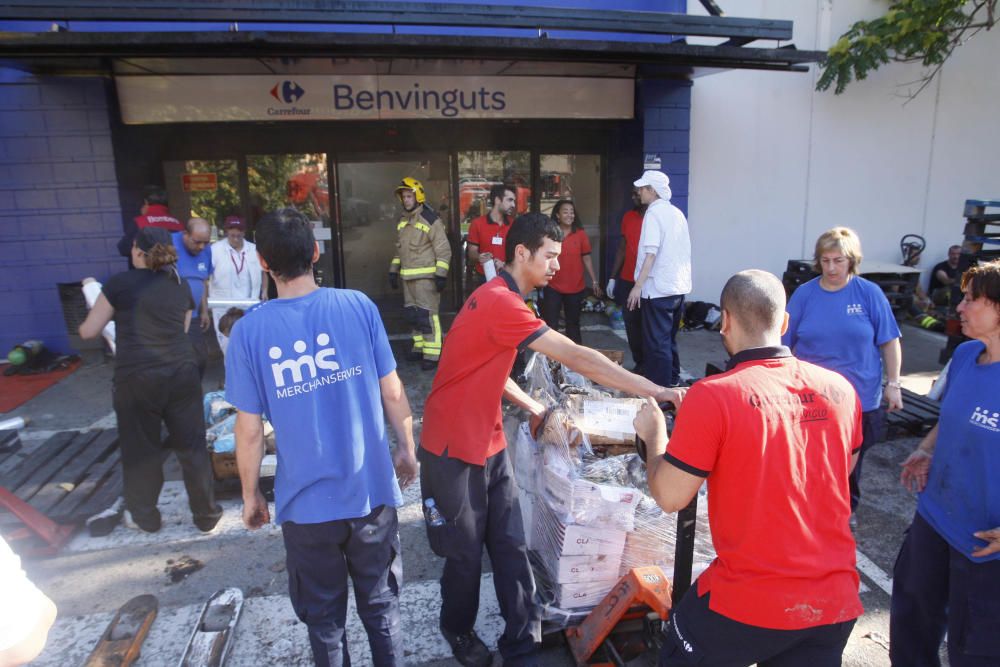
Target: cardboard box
<point>589,594</point>
<point>582,569</point>
<point>559,539</point>
<point>589,504</point>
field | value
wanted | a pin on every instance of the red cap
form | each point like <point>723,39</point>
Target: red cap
<point>234,222</point>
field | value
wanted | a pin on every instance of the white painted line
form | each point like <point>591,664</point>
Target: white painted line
<point>874,573</point>
<point>268,632</point>
<point>107,421</point>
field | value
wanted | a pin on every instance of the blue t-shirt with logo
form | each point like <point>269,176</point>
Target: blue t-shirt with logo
<point>193,268</point>
<point>312,364</point>
<point>843,331</point>
<point>962,495</point>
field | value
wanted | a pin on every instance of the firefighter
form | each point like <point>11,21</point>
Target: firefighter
<point>422,258</point>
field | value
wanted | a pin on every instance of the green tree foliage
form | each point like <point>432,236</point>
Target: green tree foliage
<point>912,31</point>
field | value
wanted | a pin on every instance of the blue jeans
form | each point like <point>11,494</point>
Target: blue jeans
<point>660,319</point>
<point>935,588</point>
<point>320,556</point>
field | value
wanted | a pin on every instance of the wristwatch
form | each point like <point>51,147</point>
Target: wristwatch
<point>894,383</point>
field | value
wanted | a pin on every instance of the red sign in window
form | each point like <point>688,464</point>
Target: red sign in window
<point>200,182</point>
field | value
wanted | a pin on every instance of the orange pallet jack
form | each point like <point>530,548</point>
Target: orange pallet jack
<point>628,622</point>
<point>38,535</point>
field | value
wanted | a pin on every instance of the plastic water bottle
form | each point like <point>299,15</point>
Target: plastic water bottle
<point>432,515</point>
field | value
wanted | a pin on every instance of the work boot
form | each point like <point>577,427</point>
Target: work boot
<point>428,364</point>
<point>468,649</point>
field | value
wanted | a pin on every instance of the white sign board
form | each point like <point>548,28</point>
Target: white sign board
<point>195,99</point>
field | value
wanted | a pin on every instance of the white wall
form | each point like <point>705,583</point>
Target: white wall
<point>774,163</point>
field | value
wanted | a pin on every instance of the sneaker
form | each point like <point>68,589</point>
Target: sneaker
<point>468,649</point>
<point>145,526</point>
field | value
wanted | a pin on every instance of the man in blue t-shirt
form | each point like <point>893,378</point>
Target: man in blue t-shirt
<point>194,264</point>
<point>317,362</point>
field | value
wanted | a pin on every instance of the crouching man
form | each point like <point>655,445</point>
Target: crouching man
<point>318,363</point>
<point>776,438</point>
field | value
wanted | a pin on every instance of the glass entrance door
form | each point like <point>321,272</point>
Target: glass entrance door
<point>369,213</point>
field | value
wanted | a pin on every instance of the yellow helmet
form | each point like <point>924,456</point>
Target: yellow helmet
<point>413,184</point>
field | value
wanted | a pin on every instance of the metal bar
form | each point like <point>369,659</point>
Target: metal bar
<point>684,550</point>
<point>402,13</point>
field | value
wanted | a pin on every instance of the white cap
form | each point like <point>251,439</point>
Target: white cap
<point>656,180</point>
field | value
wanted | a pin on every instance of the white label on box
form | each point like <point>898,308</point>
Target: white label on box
<point>610,418</point>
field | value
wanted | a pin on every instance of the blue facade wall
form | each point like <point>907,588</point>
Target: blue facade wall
<point>665,113</point>
<point>60,218</point>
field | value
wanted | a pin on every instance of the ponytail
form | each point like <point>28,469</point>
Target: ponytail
<point>163,257</point>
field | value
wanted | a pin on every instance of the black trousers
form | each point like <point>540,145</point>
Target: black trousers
<point>696,635</point>
<point>200,345</point>
<point>320,557</point>
<point>631,318</point>
<point>660,319</point>
<point>144,401</point>
<point>873,431</point>
<point>935,588</point>
<point>570,304</point>
<point>480,505</point>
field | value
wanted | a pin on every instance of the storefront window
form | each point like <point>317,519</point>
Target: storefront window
<point>299,181</point>
<point>206,189</point>
<point>478,171</point>
<point>369,213</point>
<point>578,178</point>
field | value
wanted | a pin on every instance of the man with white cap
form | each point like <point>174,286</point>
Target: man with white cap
<point>662,278</point>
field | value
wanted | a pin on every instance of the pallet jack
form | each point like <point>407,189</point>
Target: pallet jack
<point>627,623</point>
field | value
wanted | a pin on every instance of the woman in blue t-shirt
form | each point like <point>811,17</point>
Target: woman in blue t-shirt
<point>947,575</point>
<point>843,322</point>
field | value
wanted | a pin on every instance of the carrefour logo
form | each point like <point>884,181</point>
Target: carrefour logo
<point>288,92</point>
<point>304,370</point>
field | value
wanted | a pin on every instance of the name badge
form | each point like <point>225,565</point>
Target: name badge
<point>497,240</point>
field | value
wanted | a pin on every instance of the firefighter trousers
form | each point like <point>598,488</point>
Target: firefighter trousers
<point>421,302</point>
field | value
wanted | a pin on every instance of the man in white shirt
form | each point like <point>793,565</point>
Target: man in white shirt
<point>662,278</point>
<point>236,271</point>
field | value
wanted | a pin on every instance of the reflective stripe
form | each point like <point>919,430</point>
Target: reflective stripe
<point>401,225</point>
<point>441,264</point>
<point>426,271</point>
<point>395,260</point>
<point>426,229</point>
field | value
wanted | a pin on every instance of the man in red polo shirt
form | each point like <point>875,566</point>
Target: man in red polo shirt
<point>488,233</point>
<point>465,467</point>
<point>624,280</point>
<point>777,439</point>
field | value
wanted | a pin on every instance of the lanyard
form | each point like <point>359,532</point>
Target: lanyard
<point>243,260</point>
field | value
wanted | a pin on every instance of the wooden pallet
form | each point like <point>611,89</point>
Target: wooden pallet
<point>918,416</point>
<point>71,476</point>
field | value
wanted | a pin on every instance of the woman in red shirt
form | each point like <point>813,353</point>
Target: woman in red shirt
<point>566,289</point>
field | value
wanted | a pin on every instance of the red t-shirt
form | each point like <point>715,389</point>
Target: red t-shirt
<point>631,229</point>
<point>158,216</point>
<point>490,237</point>
<point>569,277</point>
<point>462,413</point>
<point>775,438</point>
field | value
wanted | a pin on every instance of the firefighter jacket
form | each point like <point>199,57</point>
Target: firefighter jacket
<point>422,247</point>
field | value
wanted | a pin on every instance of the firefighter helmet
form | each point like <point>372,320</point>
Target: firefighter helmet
<point>413,184</point>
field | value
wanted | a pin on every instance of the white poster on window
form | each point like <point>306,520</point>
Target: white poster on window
<point>194,99</point>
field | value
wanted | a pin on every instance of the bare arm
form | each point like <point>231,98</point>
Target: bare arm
<point>917,465</point>
<point>249,432</point>
<point>671,487</point>
<point>892,359</point>
<point>187,320</point>
<point>594,365</point>
<point>588,264</point>
<point>636,294</point>
<point>97,318</point>
<point>205,318</point>
<point>472,252</point>
<point>400,417</point>
<point>518,397</point>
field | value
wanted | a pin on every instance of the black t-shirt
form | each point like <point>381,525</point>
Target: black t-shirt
<point>948,270</point>
<point>150,308</point>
